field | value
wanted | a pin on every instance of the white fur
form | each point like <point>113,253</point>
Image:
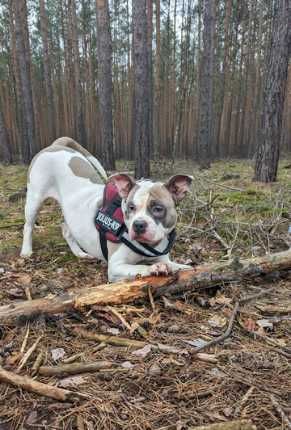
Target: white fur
<point>79,198</point>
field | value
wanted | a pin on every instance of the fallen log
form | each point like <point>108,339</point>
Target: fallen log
<point>200,277</point>
<point>29,384</point>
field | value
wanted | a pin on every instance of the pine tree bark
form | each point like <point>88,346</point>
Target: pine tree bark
<point>141,96</point>
<point>80,131</point>
<point>5,153</point>
<point>221,144</point>
<point>51,132</point>
<point>206,86</point>
<point>105,80</point>
<point>157,96</point>
<point>150,65</point>
<point>24,61</point>
<point>268,149</point>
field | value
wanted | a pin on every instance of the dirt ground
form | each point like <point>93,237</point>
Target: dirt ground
<point>248,376</point>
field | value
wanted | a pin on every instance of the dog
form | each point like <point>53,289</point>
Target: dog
<point>68,173</point>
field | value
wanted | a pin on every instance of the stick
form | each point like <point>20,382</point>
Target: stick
<point>74,368</point>
<point>201,277</point>
<point>151,299</point>
<point>232,425</point>
<point>28,293</point>
<point>120,317</point>
<point>110,340</point>
<point>278,408</point>
<point>243,401</point>
<point>38,362</point>
<point>28,354</point>
<point>228,331</point>
<point>122,341</point>
<point>73,358</point>
<point>225,335</point>
<point>29,384</point>
<point>23,346</point>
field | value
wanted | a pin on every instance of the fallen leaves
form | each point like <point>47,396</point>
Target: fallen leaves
<point>57,353</point>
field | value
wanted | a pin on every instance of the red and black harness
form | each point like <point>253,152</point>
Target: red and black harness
<point>109,222</point>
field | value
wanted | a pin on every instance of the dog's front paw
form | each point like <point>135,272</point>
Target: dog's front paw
<point>160,269</point>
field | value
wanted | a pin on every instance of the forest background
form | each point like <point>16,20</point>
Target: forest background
<point>87,69</point>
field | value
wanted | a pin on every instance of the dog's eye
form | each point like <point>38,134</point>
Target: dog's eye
<point>131,207</point>
<point>158,210</point>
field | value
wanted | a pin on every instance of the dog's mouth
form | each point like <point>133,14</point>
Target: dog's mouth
<point>144,238</point>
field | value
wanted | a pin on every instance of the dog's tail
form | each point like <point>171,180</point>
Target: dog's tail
<point>70,143</point>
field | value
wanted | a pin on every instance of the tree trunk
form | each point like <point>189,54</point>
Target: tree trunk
<point>206,86</point>
<point>201,277</point>
<point>105,80</point>
<point>156,119</point>
<point>150,66</point>
<point>51,132</point>
<point>23,56</point>
<point>5,153</point>
<point>80,131</point>
<point>267,154</point>
<point>141,96</point>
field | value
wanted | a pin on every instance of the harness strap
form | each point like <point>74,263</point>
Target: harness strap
<point>102,233</point>
<point>171,239</point>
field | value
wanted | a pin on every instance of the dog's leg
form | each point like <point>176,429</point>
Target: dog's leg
<point>164,266</point>
<point>118,271</point>
<point>32,205</point>
<point>73,244</point>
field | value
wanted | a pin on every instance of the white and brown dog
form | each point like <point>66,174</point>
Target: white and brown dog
<point>68,173</point>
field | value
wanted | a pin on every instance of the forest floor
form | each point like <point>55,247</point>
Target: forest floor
<point>249,375</point>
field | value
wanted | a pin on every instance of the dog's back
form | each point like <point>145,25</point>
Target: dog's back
<point>69,145</point>
<point>62,171</point>
<point>67,142</point>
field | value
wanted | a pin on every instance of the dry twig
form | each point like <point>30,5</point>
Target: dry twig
<point>29,384</point>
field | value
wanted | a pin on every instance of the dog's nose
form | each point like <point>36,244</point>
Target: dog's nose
<point>139,226</point>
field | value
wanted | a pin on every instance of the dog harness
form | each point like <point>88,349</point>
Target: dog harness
<point>109,222</point>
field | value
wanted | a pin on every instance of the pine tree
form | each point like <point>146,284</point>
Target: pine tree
<point>141,94</point>
<point>267,154</point>
<point>105,81</point>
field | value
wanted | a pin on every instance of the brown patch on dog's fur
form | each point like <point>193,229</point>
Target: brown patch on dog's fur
<point>83,169</point>
<point>67,142</point>
<point>50,148</point>
<point>130,198</point>
<point>159,193</point>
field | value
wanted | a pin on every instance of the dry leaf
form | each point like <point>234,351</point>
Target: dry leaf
<point>72,381</point>
<point>220,300</point>
<point>58,353</point>
<point>127,365</point>
<point>265,323</point>
<point>198,343</point>
<point>143,352</point>
<point>250,324</point>
<point>217,321</point>
<point>155,370</point>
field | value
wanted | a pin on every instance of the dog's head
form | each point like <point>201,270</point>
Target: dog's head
<point>149,208</point>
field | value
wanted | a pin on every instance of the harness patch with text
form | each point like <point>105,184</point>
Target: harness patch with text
<point>108,223</point>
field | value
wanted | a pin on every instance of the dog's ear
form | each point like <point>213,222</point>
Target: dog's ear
<point>178,186</point>
<point>123,182</point>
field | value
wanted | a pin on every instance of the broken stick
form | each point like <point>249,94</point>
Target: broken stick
<point>29,384</point>
<point>75,368</point>
<point>201,277</point>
